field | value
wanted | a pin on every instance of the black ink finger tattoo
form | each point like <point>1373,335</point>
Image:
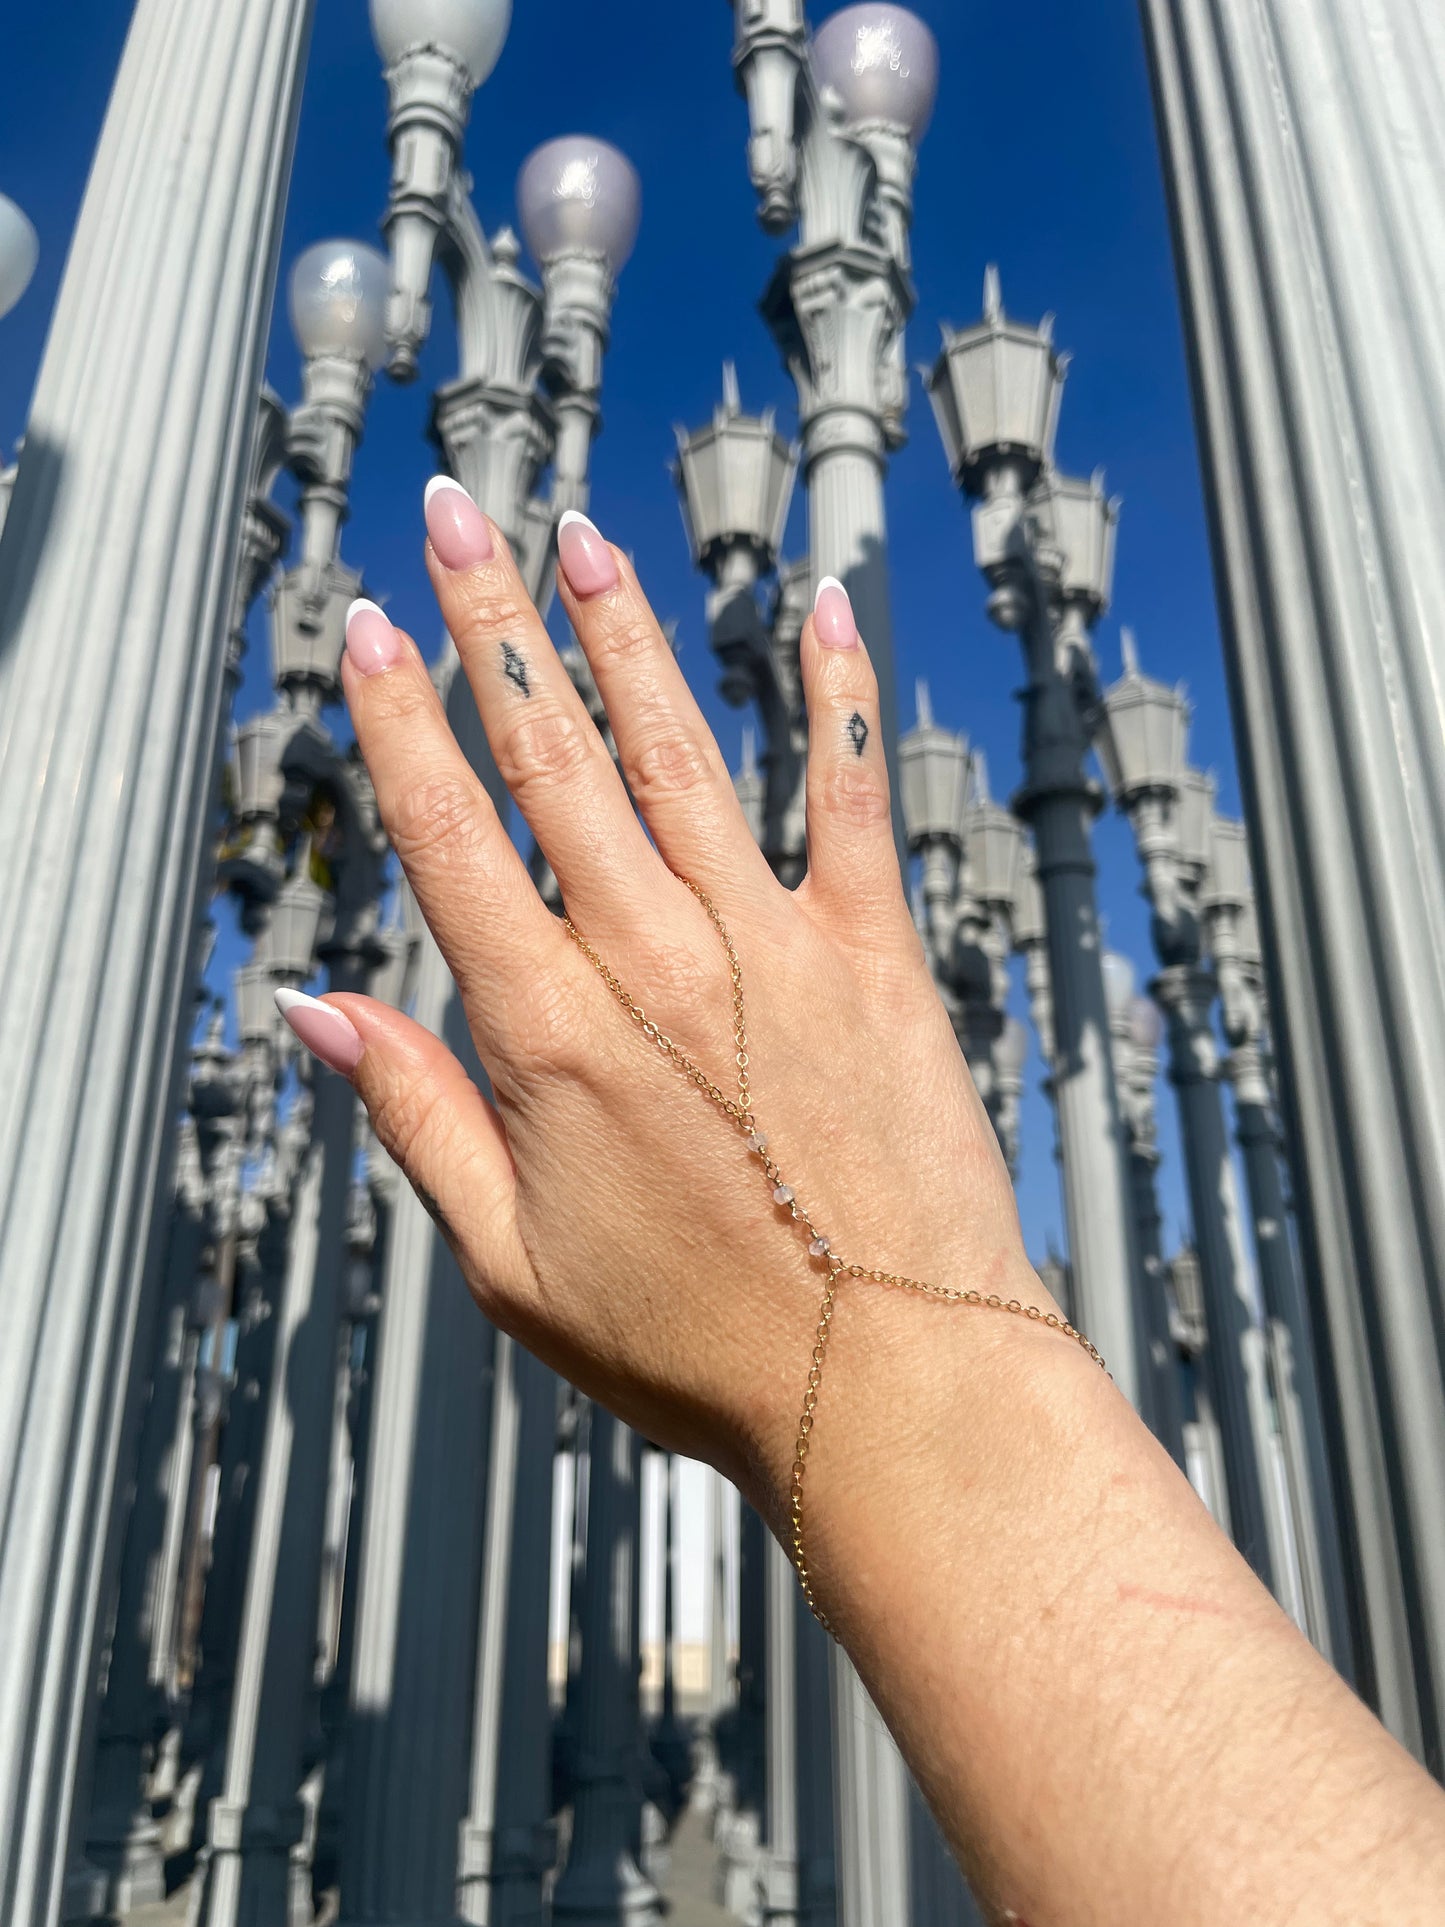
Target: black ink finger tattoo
<point>514,667</point>
<point>857,733</point>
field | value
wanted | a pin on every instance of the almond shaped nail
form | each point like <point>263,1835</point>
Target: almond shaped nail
<point>325,1032</point>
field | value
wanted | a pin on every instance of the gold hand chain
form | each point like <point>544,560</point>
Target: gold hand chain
<point>740,1110</point>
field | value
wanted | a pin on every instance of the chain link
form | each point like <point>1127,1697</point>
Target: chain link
<point>739,1109</point>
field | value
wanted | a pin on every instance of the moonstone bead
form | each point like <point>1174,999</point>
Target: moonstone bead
<point>782,1194</point>
<point>818,1248</point>
<point>758,1142</point>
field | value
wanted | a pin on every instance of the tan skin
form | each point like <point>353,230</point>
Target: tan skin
<point>1112,1719</point>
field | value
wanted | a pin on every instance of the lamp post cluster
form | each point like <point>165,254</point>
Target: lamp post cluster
<point>293,1493</point>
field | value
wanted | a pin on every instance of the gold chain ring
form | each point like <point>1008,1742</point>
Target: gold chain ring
<point>739,1109</point>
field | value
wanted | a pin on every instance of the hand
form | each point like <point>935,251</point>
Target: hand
<point>603,1210</point>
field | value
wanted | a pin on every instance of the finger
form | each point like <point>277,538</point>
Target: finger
<point>546,746</point>
<point>432,1121</point>
<point>852,858</point>
<point>471,885</point>
<point>669,756</point>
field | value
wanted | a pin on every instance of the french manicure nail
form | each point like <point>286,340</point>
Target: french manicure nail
<point>371,641</point>
<point>460,534</point>
<point>585,558</point>
<point>833,622</point>
<point>322,1029</point>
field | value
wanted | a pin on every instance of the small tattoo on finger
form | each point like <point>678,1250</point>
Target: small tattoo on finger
<point>514,667</point>
<point>857,733</point>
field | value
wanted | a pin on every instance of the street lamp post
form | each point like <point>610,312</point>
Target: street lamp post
<point>1136,1027</point>
<point>601,1883</point>
<point>455,1410</point>
<point>835,125</point>
<point>255,1825</point>
<point>1045,545</point>
<point>1228,907</point>
<point>120,548</point>
<point>1169,809</point>
<point>735,478</point>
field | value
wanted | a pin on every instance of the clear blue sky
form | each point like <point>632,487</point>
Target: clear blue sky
<point>1041,157</point>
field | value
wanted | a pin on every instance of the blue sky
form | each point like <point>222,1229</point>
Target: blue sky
<point>1041,157</point>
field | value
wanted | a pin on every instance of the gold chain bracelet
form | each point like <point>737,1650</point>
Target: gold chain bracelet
<point>739,1109</point>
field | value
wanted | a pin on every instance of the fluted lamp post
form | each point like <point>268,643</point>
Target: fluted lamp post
<point>1142,748</point>
<point>1045,546</point>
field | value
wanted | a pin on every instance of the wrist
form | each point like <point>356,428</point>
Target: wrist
<point>915,1394</point>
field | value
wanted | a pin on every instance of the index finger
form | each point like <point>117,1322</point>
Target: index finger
<point>470,882</point>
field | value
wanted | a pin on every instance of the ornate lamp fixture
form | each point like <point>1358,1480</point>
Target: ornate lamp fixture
<point>437,53</point>
<point>996,390</point>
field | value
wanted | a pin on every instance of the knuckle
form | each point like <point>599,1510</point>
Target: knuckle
<point>633,635</point>
<point>435,819</point>
<point>665,766</point>
<point>412,1122</point>
<point>544,1032</point>
<point>485,615</point>
<point>855,794</point>
<point>542,747</point>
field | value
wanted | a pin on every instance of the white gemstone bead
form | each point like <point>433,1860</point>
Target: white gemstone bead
<point>818,1248</point>
<point>758,1142</point>
<point>782,1194</point>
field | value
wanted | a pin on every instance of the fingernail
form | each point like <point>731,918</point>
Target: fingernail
<point>322,1029</point>
<point>371,641</point>
<point>585,558</point>
<point>833,622</point>
<point>460,534</point>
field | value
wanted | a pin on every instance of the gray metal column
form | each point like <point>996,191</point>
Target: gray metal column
<point>602,1884</point>
<point>508,1840</point>
<point>1292,1362</point>
<point>1308,206</point>
<point>1240,1372</point>
<point>258,1820</point>
<point>419,1571</point>
<point>119,550</point>
<point>1059,803</point>
<point>122,1836</point>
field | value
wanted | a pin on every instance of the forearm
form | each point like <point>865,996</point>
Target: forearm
<point>1113,1719</point>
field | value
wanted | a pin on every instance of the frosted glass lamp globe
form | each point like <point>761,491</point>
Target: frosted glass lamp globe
<point>19,251</point>
<point>475,31</point>
<point>1118,985</point>
<point>338,301</point>
<point>579,195</point>
<point>882,62</point>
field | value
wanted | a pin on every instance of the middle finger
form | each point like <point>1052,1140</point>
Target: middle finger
<point>546,746</point>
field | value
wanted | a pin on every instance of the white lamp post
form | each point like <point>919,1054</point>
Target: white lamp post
<point>835,126</point>
<point>104,780</point>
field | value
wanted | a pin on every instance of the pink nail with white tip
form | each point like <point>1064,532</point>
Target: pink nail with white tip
<point>585,559</point>
<point>322,1029</point>
<point>372,642</point>
<point>833,622</point>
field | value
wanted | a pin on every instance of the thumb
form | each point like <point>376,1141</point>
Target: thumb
<point>432,1121</point>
